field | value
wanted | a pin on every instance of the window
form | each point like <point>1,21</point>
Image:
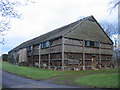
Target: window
<point>29,48</point>
<point>96,44</point>
<point>45,44</point>
<point>91,43</point>
<point>87,43</point>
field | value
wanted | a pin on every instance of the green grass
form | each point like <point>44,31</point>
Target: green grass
<point>30,72</point>
<point>99,80</point>
<point>95,78</point>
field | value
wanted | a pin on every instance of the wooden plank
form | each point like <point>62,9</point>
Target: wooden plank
<point>56,59</point>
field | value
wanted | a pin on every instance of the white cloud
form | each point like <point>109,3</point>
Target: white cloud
<point>46,15</point>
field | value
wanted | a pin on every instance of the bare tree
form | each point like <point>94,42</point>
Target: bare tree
<point>112,32</point>
<point>8,11</point>
<point>4,26</point>
<point>110,28</point>
<point>114,4</point>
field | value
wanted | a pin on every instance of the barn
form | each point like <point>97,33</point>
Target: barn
<point>82,44</point>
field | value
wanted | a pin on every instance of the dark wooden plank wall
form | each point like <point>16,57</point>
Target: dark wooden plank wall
<point>73,50</point>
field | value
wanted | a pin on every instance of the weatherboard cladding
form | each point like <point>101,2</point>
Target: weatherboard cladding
<point>84,29</point>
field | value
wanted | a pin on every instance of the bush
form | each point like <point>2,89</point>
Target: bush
<point>5,57</point>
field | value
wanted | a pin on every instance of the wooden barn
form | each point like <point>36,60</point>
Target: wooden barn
<point>80,45</point>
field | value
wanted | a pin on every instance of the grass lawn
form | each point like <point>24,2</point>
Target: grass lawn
<point>30,72</point>
<point>99,80</point>
<point>95,78</point>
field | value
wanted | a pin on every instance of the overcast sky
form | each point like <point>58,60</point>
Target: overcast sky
<point>47,15</point>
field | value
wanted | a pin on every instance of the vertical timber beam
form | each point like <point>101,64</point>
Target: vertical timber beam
<point>39,55</point>
<point>112,57</point>
<point>32,55</point>
<point>62,53</point>
<point>118,27</point>
<point>83,55</point>
<point>49,57</point>
<point>100,54</point>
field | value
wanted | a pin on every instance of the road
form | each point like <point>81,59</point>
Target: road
<point>14,81</point>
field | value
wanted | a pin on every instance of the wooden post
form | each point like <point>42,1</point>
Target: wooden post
<point>62,53</point>
<point>32,55</point>
<point>83,55</point>
<point>112,58</point>
<point>39,55</point>
<point>100,54</point>
<point>49,57</point>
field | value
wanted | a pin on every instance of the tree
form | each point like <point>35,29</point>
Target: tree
<point>8,11</point>
<point>112,32</point>
<point>110,29</point>
<point>5,57</point>
<point>115,3</point>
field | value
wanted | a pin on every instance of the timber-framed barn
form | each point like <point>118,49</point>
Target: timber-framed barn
<point>80,45</point>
